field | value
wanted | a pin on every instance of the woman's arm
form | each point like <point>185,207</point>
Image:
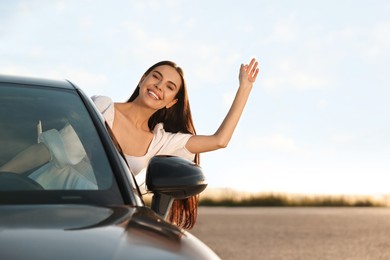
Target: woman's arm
<point>30,158</point>
<point>221,138</point>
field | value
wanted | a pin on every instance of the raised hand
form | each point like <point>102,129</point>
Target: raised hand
<point>248,73</point>
<point>221,138</point>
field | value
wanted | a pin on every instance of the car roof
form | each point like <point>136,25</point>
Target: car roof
<point>25,80</point>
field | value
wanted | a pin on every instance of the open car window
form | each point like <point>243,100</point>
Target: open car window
<point>56,121</point>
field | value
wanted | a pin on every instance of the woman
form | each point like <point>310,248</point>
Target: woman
<point>157,120</point>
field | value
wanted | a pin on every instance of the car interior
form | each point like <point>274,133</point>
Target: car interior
<point>57,118</point>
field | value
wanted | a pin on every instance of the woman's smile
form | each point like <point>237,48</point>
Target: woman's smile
<point>154,95</point>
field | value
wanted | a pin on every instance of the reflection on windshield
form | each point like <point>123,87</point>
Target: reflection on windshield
<point>69,166</point>
<point>47,136</point>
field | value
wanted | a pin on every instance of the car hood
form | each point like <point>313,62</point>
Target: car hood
<point>93,232</point>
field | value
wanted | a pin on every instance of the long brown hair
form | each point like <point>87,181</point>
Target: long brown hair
<point>177,118</point>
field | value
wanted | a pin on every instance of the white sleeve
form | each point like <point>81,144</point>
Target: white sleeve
<point>106,106</point>
<point>65,146</point>
<point>173,143</point>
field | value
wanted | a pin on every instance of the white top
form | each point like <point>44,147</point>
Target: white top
<point>163,143</point>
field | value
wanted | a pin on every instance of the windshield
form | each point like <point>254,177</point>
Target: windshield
<point>49,143</point>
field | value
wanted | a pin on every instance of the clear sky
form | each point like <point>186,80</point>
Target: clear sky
<point>318,118</point>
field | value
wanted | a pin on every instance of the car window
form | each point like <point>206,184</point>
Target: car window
<point>54,120</point>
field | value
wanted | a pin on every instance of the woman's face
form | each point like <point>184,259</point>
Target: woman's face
<point>159,88</point>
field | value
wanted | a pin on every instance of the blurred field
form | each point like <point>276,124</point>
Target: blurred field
<point>232,198</point>
<point>295,232</point>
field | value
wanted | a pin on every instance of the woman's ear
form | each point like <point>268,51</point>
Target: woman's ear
<point>171,104</point>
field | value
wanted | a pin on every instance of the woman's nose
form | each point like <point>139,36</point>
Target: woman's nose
<point>158,85</point>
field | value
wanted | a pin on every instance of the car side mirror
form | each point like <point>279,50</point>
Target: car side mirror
<point>170,178</point>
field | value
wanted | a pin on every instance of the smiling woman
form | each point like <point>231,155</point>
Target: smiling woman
<point>157,120</point>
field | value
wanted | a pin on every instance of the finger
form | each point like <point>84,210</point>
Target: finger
<point>253,69</point>
<point>243,68</point>
<point>255,75</point>
<point>251,63</point>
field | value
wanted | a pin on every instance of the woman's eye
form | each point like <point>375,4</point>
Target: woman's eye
<point>156,75</point>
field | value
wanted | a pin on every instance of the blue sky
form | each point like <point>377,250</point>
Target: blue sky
<point>318,118</point>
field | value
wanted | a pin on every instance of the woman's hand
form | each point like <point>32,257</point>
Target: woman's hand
<point>221,138</point>
<point>248,73</point>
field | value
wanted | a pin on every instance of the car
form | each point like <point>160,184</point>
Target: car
<point>83,202</point>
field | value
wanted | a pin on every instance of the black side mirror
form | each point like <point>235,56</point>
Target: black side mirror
<point>170,178</point>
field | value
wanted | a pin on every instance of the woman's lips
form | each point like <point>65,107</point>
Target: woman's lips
<point>153,95</point>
